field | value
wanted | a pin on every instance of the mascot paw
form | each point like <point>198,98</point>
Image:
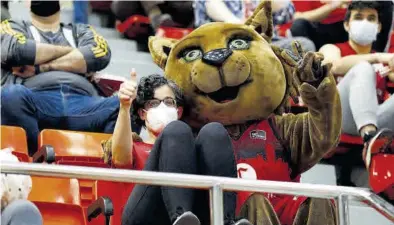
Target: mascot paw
<point>308,66</point>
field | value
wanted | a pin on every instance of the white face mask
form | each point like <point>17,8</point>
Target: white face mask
<point>363,32</point>
<point>158,117</point>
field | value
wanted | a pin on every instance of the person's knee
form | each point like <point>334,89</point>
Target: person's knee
<point>13,96</point>
<point>178,130</point>
<point>213,130</point>
<point>364,69</point>
<point>23,212</point>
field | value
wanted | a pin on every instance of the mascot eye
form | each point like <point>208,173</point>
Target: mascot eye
<point>239,44</point>
<point>192,55</point>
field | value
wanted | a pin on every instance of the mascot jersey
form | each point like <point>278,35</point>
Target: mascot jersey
<point>346,50</point>
<point>261,155</point>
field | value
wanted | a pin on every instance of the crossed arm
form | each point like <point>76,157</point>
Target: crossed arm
<point>92,54</point>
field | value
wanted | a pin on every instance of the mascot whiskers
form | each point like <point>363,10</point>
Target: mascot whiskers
<point>230,73</point>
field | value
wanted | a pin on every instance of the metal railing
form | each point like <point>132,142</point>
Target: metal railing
<point>216,186</point>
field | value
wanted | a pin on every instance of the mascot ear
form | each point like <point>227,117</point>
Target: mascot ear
<point>261,20</point>
<point>160,49</point>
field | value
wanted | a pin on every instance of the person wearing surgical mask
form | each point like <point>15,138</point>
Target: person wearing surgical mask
<point>170,146</point>
<point>362,75</point>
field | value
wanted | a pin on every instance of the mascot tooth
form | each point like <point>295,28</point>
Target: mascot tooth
<point>230,73</point>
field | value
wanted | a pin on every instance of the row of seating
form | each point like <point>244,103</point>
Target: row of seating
<point>70,201</point>
<point>61,199</point>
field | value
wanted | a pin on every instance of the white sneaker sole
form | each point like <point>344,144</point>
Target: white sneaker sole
<point>187,218</point>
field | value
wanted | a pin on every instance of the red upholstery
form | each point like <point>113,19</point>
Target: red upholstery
<point>173,32</point>
<point>134,26</point>
<point>15,137</point>
<point>58,200</point>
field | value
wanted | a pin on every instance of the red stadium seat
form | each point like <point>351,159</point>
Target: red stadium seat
<point>75,148</point>
<point>58,200</point>
<point>134,26</point>
<point>84,149</point>
<point>173,32</point>
<point>15,137</point>
<point>347,142</point>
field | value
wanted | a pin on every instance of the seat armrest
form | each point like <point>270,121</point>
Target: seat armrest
<point>103,205</point>
<point>45,154</point>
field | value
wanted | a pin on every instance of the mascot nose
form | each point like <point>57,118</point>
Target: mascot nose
<point>217,57</point>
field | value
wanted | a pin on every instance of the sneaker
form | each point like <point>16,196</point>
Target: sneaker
<point>243,222</point>
<point>382,142</point>
<point>239,222</point>
<point>187,218</point>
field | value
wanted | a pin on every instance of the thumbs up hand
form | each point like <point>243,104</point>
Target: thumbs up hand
<point>128,91</point>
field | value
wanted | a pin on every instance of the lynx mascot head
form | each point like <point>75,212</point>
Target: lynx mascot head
<point>230,73</point>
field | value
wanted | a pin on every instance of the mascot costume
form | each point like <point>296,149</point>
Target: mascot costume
<point>230,73</point>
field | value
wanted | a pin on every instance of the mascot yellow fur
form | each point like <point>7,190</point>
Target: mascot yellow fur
<point>231,74</point>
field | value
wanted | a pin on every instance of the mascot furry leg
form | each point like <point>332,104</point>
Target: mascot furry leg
<point>314,211</point>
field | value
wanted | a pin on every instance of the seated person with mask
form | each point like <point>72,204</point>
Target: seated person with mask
<point>364,110</point>
<point>45,69</point>
<point>170,146</point>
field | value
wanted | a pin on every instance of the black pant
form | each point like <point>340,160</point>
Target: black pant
<point>180,11</point>
<point>319,33</point>
<point>176,150</point>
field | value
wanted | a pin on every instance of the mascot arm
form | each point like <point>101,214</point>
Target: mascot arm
<point>311,135</point>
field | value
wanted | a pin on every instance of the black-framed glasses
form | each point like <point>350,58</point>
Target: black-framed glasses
<point>153,103</point>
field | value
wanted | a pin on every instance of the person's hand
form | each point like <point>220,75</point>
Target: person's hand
<point>24,71</point>
<point>128,91</point>
<point>385,58</point>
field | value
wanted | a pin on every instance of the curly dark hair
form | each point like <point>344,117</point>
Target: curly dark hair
<point>359,5</point>
<point>146,92</point>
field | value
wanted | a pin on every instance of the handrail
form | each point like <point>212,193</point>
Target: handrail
<point>216,185</point>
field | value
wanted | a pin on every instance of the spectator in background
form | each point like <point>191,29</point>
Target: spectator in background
<point>364,111</point>
<point>322,22</point>
<point>45,79</point>
<point>160,13</point>
<point>230,11</point>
